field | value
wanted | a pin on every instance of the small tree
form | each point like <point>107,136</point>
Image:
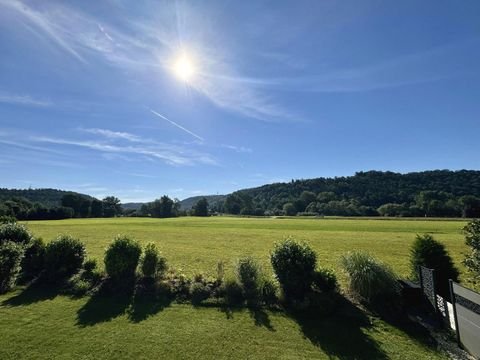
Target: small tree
<point>294,265</point>
<point>428,252</point>
<point>11,255</point>
<point>121,258</point>
<point>290,209</point>
<point>15,232</point>
<point>152,262</point>
<point>201,207</point>
<point>64,256</point>
<point>472,239</point>
<point>249,276</point>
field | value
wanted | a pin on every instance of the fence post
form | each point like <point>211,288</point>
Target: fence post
<point>452,296</point>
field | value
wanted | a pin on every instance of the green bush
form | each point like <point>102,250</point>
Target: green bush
<point>199,292</point>
<point>324,280</point>
<point>472,239</point>
<point>233,292</point>
<point>78,286</point>
<point>34,261</point>
<point>428,252</point>
<point>6,219</point>
<point>17,233</point>
<point>294,264</point>
<point>249,276</point>
<point>269,292</point>
<point>64,257</point>
<point>11,255</point>
<point>90,265</point>
<point>152,263</point>
<point>369,279</point>
<point>121,258</point>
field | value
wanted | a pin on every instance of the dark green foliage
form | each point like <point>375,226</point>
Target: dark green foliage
<point>249,276</point>
<point>34,261</point>
<point>290,209</point>
<point>430,253</point>
<point>15,232</point>
<point>11,255</point>
<point>369,279</point>
<point>96,208</point>
<point>201,208</point>
<point>472,239</point>
<point>233,292</point>
<point>161,208</point>
<point>64,256</point>
<point>430,193</point>
<point>152,262</point>
<point>294,265</point>
<point>269,292</point>
<point>6,219</point>
<point>90,265</point>
<point>121,258</point>
<point>111,206</point>
<point>325,280</point>
<point>199,292</point>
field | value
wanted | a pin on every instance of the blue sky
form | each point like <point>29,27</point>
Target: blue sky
<point>90,99</point>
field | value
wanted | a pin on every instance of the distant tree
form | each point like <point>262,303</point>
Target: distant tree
<point>73,201</point>
<point>201,207</point>
<point>233,204</point>
<point>290,209</point>
<point>308,197</point>
<point>96,208</point>
<point>326,196</point>
<point>470,206</point>
<point>84,210</point>
<point>111,206</point>
<point>160,208</point>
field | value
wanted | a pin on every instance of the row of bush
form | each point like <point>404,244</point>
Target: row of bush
<point>298,280</point>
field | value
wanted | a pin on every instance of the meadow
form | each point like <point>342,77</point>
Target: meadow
<point>43,324</point>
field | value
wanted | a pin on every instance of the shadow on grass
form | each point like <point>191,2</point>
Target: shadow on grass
<point>33,293</point>
<point>259,315</point>
<point>145,305</point>
<point>341,334</point>
<point>110,302</point>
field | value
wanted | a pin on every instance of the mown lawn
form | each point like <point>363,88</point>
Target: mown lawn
<point>44,325</point>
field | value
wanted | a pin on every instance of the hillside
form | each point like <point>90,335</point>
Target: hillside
<point>364,192</point>
<point>47,197</point>
<point>213,201</point>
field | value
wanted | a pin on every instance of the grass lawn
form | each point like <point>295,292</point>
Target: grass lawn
<point>43,325</point>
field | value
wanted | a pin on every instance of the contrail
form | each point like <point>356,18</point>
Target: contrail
<point>177,125</point>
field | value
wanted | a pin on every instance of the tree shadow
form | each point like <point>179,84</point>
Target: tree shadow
<point>261,318</point>
<point>145,305</point>
<point>340,334</point>
<point>104,305</point>
<point>33,293</point>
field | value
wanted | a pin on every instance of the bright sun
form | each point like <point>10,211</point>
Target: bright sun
<point>184,68</point>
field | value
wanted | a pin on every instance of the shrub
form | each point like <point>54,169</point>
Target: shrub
<point>78,286</point>
<point>64,257</point>
<point>369,279</point>
<point>11,255</point>
<point>293,263</point>
<point>17,233</point>
<point>233,292</point>
<point>199,292</point>
<point>121,258</point>
<point>249,276</point>
<point>152,262</point>
<point>428,252</point>
<point>6,219</point>
<point>90,265</point>
<point>34,261</point>
<point>472,239</point>
<point>325,280</point>
<point>269,292</point>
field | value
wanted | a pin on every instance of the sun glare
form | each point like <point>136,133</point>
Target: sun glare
<point>184,68</point>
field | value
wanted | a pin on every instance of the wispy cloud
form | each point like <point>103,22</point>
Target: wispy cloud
<point>238,149</point>
<point>170,154</point>
<point>177,125</point>
<point>149,43</point>
<point>23,100</point>
<point>113,134</point>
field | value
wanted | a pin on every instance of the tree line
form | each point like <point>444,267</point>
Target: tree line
<point>439,193</point>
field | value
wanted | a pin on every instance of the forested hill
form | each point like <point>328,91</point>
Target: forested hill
<point>46,197</point>
<point>364,193</point>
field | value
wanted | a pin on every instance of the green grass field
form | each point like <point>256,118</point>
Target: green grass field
<point>45,325</point>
